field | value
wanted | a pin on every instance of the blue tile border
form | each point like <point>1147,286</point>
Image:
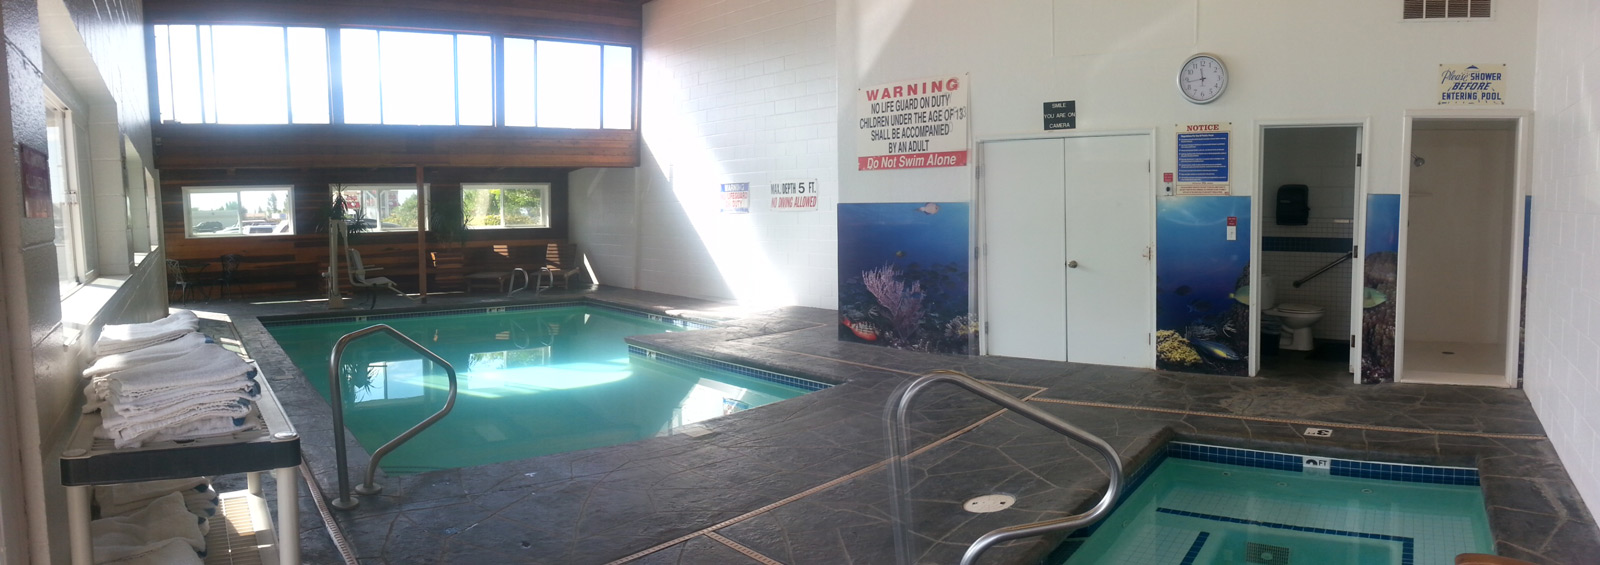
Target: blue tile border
<point>1194,548</point>
<point>705,364</point>
<point>1337,467</point>
<point>305,321</point>
<point>1407,545</point>
<point>1232,456</point>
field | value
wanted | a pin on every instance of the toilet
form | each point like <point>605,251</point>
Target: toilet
<point>1297,318</point>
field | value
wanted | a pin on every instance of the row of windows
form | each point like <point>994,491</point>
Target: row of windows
<point>269,210</point>
<point>233,74</point>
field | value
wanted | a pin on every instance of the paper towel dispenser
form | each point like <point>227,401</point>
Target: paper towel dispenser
<point>1293,208</point>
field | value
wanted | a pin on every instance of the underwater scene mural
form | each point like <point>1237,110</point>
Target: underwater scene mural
<point>903,276</point>
<point>1203,285</point>
<point>1382,257</point>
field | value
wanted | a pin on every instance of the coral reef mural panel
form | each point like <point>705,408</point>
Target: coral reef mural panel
<point>1203,284</point>
<point>904,273</point>
<point>1381,254</point>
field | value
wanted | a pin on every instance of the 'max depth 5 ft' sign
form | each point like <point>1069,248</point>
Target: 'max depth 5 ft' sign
<point>912,124</point>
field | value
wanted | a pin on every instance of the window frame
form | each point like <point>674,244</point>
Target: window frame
<point>495,77</point>
<point>384,187</point>
<point>506,69</point>
<point>544,188</point>
<point>205,85</point>
<point>188,209</point>
<point>72,207</point>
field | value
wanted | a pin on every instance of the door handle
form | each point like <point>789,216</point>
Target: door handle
<point>1072,264</point>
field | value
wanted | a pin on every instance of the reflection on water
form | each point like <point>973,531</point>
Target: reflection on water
<point>531,383</point>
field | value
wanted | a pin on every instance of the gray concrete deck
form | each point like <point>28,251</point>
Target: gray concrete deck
<point>803,481</point>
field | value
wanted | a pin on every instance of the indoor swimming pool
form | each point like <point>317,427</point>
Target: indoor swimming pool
<point>532,380</point>
<point>1205,504</point>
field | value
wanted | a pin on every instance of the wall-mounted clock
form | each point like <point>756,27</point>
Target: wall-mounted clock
<point>1202,78</point>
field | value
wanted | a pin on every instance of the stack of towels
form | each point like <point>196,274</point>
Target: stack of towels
<point>153,523</point>
<point>163,381</point>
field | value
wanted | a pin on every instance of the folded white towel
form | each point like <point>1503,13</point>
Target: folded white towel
<point>155,406</point>
<point>207,427</point>
<point>164,519</point>
<point>132,432</point>
<point>168,552</point>
<point>123,338</point>
<point>206,365</point>
<point>123,498</point>
<point>160,352</point>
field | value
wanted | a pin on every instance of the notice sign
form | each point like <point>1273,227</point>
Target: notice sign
<point>736,198</point>
<point>1471,85</point>
<point>1061,115</point>
<point>912,124</point>
<point>1203,160</point>
<point>35,182</point>
<point>799,195</point>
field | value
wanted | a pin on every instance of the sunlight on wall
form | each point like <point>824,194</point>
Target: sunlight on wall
<point>694,172</point>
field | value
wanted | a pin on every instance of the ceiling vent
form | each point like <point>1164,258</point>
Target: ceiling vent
<point>1445,9</point>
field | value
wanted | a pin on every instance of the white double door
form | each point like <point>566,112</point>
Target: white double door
<point>1068,250</point>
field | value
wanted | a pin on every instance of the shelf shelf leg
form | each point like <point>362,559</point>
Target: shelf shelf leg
<point>78,525</point>
<point>252,483</point>
<point>288,515</point>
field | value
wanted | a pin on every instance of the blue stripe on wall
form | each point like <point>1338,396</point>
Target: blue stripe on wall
<point>1307,244</point>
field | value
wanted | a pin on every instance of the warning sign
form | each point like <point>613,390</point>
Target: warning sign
<point>736,198</point>
<point>912,124</point>
<point>1471,85</point>
<point>799,195</point>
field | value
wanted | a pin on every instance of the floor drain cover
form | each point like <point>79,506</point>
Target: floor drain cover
<point>990,503</point>
<point>1265,554</point>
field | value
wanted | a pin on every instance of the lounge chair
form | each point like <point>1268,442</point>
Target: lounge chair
<point>562,260</point>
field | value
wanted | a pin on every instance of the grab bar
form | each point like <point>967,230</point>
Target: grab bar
<point>336,398</point>
<point>1342,258</point>
<point>900,403</point>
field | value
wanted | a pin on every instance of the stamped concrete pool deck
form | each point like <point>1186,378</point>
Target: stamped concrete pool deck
<point>804,481</point>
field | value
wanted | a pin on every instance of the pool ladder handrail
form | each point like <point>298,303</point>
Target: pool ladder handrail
<point>900,403</point>
<point>336,399</point>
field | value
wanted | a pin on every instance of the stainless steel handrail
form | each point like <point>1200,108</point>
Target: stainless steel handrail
<point>1342,258</point>
<point>511,285</point>
<point>336,398</point>
<point>900,404</point>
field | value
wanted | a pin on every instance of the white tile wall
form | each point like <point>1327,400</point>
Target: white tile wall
<point>1563,325</point>
<point>734,91</point>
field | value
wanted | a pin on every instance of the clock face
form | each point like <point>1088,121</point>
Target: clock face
<point>1202,79</point>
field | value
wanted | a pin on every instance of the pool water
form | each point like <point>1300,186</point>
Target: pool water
<point>530,383</point>
<point>1202,512</point>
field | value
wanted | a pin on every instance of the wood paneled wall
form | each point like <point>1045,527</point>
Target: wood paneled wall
<point>212,146</point>
<point>291,265</point>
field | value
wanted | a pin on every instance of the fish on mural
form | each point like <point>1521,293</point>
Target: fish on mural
<point>900,254</point>
<point>930,208</point>
<point>1199,306</point>
<point>1371,297</point>
<point>1214,349</point>
<point>1183,290</point>
<point>862,329</point>
<point>1241,294</point>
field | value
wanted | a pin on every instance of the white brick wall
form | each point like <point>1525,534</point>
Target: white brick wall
<point>733,91</point>
<point>1563,325</point>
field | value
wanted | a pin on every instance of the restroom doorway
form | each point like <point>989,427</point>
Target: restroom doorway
<point>1067,248</point>
<point>1460,260</point>
<point>1310,180</point>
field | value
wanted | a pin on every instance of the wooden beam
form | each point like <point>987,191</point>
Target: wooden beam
<point>422,239</point>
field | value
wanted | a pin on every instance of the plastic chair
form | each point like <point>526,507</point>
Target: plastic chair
<point>359,279</point>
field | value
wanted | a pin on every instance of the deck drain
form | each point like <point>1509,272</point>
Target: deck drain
<point>989,503</point>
